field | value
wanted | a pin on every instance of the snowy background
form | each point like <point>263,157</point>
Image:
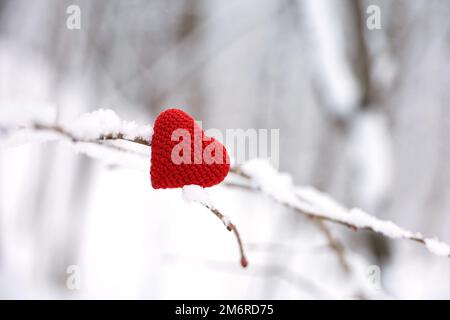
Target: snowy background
<point>364,116</point>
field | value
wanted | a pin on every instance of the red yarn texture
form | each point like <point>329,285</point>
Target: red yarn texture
<point>167,174</point>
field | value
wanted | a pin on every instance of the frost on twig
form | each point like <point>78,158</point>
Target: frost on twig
<point>258,174</point>
<point>197,194</point>
<point>95,127</point>
<point>104,126</point>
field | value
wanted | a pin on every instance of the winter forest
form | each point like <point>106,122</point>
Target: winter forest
<point>351,201</point>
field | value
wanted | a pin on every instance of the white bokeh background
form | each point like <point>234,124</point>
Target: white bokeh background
<point>363,115</point>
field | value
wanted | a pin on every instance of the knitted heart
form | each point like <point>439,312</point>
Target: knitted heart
<point>182,154</point>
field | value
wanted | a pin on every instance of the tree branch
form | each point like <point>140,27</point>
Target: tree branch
<point>120,136</point>
<point>354,219</point>
<point>365,221</point>
<point>230,227</point>
<point>101,138</point>
<point>333,243</point>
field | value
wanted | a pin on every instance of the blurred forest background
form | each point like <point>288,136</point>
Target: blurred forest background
<point>364,115</point>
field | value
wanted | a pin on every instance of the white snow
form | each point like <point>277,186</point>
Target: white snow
<point>226,220</point>
<point>437,247</point>
<point>104,122</point>
<point>262,176</point>
<point>128,158</point>
<point>265,177</point>
<point>21,137</point>
<point>16,127</point>
<point>193,193</point>
<point>316,203</point>
<point>362,219</point>
<point>14,113</point>
<point>323,200</point>
<point>330,208</point>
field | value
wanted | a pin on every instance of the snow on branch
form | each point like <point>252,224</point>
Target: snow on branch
<point>259,175</point>
<point>106,125</point>
<point>103,126</point>
<point>197,194</point>
<point>94,127</point>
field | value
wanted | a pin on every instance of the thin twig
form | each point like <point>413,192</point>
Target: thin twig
<point>139,140</point>
<point>230,227</point>
<point>333,243</point>
<point>101,138</point>
<point>317,215</point>
<point>119,136</point>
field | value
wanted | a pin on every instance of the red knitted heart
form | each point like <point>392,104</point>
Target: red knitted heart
<point>182,154</point>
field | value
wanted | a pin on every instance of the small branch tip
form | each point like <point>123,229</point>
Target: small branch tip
<point>244,262</point>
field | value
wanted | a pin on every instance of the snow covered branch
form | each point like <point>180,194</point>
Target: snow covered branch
<point>259,175</point>
<point>199,195</point>
<point>104,126</point>
<point>113,135</point>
